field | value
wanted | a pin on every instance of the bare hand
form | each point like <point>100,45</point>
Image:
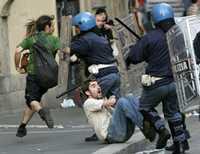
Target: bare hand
<point>112,100</point>
<point>109,102</point>
<point>106,26</point>
<point>21,70</point>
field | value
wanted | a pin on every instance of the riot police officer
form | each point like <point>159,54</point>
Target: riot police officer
<point>97,53</point>
<point>158,83</point>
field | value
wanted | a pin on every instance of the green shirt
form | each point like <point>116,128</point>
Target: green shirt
<point>51,42</point>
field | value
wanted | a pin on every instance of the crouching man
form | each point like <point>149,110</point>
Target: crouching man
<point>113,125</point>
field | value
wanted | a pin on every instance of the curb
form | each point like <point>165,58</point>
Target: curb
<point>136,143</point>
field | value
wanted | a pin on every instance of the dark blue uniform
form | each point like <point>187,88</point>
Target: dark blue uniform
<point>153,49</point>
<point>95,49</point>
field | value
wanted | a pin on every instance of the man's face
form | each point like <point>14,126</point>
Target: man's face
<point>50,29</point>
<point>77,30</point>
<point>94,90</point>
<point>100,20</point>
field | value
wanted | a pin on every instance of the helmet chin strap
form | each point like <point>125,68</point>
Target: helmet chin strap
<point>165,25</point>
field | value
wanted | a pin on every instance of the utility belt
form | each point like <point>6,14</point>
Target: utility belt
<point>95,68</point>
<point>148,80</point>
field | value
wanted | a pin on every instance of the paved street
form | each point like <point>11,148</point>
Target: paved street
<point>193,124</point>
<point>66,138</point>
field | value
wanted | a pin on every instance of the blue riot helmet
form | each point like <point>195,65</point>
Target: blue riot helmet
<point>162,12</point>
<point>84,20</point>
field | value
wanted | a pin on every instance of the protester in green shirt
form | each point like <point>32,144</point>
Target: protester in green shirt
<point>51,42</point>
<point>42,28</point>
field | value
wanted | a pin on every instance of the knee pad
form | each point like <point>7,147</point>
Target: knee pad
<point>153,117</point>
<point>177,128</point>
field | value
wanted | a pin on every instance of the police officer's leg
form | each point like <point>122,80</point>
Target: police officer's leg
<point>149,100</point>
<point>158,123</point>
<point>132,112</point>
<point>110,84</point>
<point>175,120</point>
<point>177,131</point>
<point>115,89</point>
<point>187,135</point>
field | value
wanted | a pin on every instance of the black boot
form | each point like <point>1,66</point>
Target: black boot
<point>148,131</point>
<point>164,136</point>
<point>152,117</point>
<point>185,146</point>
<point>180,147</point>
<point>176,128</point>
<point>46,116</point>
<point>177,149</point>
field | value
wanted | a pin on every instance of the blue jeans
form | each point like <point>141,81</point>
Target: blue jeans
<point>167,95</point>
<point>125,116</point>
<point>110,84</point>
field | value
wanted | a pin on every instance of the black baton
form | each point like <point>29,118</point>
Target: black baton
<point>68,91</point>
<point>130,30</point>
<point>91,77</point>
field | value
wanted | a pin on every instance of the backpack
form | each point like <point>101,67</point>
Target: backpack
<point>46,66</point>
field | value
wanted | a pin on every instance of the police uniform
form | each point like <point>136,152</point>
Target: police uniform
<point>97,53</point>
<point>158,84</point>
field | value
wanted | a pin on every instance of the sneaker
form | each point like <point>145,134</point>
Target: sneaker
<point>91,138</point>
<point>164,135</point>
<point>21,132</point>
<point>149,131</point>
<point>46,116</point>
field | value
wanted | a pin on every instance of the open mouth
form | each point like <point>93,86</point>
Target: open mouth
<point>99,91</point>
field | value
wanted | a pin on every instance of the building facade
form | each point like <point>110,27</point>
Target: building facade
<point>14,14</point>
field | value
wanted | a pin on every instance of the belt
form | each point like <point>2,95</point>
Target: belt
<point>148,80</point>
<point>154,79</point>
<point>94,69</point>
